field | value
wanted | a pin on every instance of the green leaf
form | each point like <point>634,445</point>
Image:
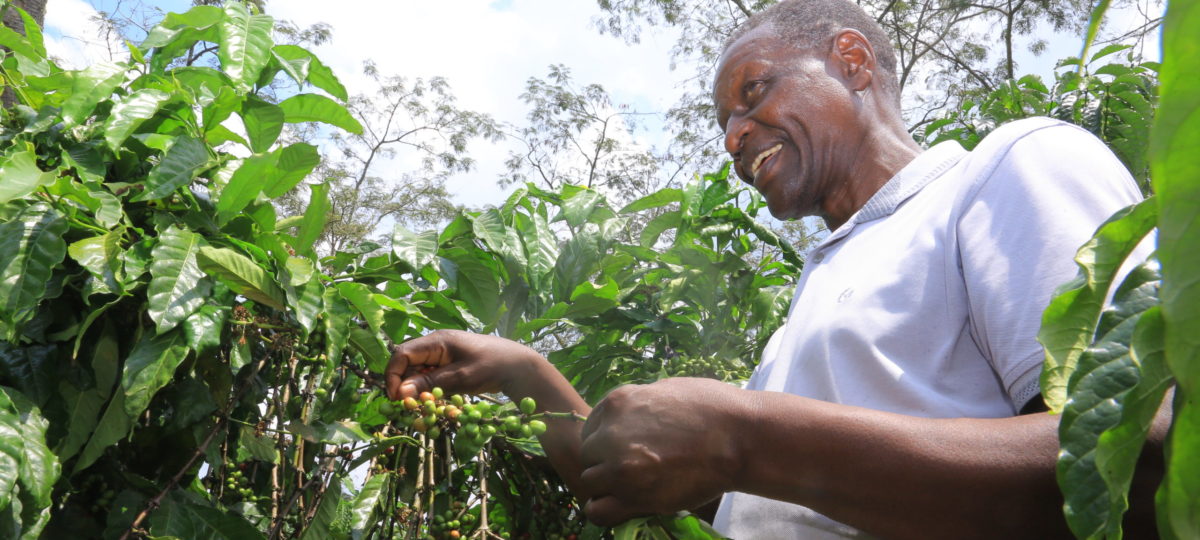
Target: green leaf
<point>317,108</point>
<point>242,275</point>
<point>33,33</point>
<point>17,43</point>
<point>1070,320</point>
<point>477,283</point>
<point>11,454</point>
<point>1118,449</point>
<point>21,174</point>
<point>369,345</point>
<point>1176,179</point>
<point>361,297</point>
<point>101,256</point>
<point>1105,373</point>
<point>89,88</point>
<point>129,113</point>
<point>576,263</point>
<point>83,409</point>
<point>362,509</point>
<point>150,366</point>
<point>577,209</point>
<point>182,519</point>
<point>31,245</point>
<point>245,42</point>
<point>255,446</point>
<point>336,320</point>
<point>178,32</point>
<point>113,426</point>
<point>327,511</point>
<point>263,122</point>
<point>1097,18</point>
<point>40,467</point>
<point>415,250</point>
<point>177,168</point>
<point>203,327</point>
<point>244,186</point>
<point>659,198</point>
<point>295,162</point>
<point>315,216</point>
<point>318,74</point>
<point>541,248</point>
<point>177,285</point>
<point>656,226</point>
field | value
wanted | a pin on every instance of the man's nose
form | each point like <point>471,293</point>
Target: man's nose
<point>735,134</point>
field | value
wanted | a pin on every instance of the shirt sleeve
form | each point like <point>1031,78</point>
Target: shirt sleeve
<point>1041,193</point>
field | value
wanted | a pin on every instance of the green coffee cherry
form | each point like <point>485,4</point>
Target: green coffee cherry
<point>528,405</point>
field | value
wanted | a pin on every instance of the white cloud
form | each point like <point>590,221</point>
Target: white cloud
<point>75,37</point>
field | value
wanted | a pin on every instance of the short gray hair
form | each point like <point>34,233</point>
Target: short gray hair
<point>812,24</point>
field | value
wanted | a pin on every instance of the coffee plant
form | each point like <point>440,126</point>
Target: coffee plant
<point>179,361</point>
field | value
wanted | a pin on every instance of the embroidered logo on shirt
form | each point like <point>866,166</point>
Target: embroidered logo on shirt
<point>846,294</point>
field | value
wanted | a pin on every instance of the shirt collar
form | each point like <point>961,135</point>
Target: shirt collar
<point>919,172</point>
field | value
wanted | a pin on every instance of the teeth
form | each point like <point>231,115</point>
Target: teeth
<point>763,157</point>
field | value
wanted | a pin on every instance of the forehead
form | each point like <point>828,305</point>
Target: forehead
<point>756,51</point>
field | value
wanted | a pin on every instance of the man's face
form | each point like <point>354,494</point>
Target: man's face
<point>790,124</point>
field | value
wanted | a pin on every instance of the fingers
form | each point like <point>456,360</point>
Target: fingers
<point>429,350</point>
<point>608,511</point>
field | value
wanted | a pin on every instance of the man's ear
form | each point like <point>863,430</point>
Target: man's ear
<point>854,59</point>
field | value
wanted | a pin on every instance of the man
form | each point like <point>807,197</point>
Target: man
<point>888,404</point>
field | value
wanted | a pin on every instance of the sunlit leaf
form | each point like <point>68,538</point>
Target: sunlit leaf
<point>246,42</point>
<point>317,108</point>
<point>295,162</point>
<point>178,167</point>
<point>130,112</point>
<point>242,275</point>
<point>177,285</point>
<point>89,88</point>
<point>1176,177</point>
<point>416,250</point>
<point>150,366</point>
<point>263,122</point>
<point>19,169</point>
<point>1070,320</point>
<point>31,245</point>
<point>315,72</point>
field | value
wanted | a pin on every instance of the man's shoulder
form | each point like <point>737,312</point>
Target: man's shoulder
<point>1045,130</point>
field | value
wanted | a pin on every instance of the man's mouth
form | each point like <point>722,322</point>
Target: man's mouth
<point>758,161</point>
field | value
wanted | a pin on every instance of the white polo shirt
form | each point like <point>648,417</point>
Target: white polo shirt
<point>927,301</point>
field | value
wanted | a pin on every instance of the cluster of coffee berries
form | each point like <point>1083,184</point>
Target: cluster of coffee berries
<point>103,497</point>
<point>451,524</point>
<point>709,368</point>
<point>476,423</point>
<point>238,486</point>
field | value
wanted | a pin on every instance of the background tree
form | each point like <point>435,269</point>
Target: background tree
<point>411,125</point>
<point>579,136</point>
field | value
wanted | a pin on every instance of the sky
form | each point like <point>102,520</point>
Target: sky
<point>487,49</point>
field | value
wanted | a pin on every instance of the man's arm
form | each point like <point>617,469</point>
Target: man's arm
<point>891,475</point>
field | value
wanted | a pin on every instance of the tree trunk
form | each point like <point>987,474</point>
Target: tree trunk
<point>12,19</point>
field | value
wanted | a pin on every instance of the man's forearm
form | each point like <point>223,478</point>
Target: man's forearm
<point>899,476</point>
<point>554,393</point>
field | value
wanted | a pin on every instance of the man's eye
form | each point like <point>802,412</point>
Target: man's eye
<point>753,89</point>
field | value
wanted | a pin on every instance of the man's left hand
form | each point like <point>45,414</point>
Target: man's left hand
<point>660,448</point>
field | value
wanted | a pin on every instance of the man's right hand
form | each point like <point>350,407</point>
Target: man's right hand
<point>458,362</point>
<point>465,363</point>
